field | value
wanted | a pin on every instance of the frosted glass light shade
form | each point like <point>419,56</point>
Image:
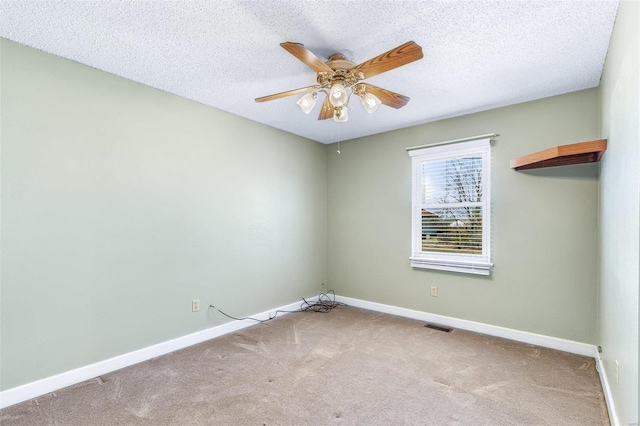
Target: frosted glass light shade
<point>370,102</point>
<point>307,102</point>
<point>340,114</point>
<point>338,95</point>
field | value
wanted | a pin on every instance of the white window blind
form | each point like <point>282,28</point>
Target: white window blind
<point>451,208</point>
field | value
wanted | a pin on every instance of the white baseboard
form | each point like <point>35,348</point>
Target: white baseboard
<point>608,397</point>
<point>38,388</point>
<point>41,387</point>
<point>492,330</point>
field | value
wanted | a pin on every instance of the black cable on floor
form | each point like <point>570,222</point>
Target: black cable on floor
<point>323,305</point>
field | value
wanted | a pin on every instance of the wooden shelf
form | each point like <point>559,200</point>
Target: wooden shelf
<point>564,155</point>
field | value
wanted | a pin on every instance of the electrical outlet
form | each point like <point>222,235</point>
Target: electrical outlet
<point>617,372</point>
<point>195,305</point>
<point>434,291</point>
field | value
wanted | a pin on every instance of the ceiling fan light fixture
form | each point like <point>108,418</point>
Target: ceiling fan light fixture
<point>340,114</point>
<point>338,95</point>
<point>370,102</point>
<point>338,78</point>
<point>307,102</point>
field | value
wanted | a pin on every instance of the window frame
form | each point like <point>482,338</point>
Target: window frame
<point>456,262</point>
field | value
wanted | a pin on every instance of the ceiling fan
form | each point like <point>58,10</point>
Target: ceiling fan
<point>339,78</point>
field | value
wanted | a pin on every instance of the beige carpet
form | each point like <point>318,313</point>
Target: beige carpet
<point>346,367</point>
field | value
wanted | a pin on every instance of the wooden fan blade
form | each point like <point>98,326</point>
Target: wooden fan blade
<point>387,97</point>
<point>327,109</point>
<point>288,93</point>
<point>312,61</point>
<point>394,58</point>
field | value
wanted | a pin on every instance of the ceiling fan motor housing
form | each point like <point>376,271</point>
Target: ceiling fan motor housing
<point>337,61</point>
<point>344,72</point>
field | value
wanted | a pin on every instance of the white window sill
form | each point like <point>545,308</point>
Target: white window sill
<point>478,268</point>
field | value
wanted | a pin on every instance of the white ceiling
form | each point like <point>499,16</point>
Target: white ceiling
<point>478,55</point>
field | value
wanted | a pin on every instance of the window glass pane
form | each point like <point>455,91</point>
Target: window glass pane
<point>451,210</point>
<point>452,230</point>
<point>456,180</point>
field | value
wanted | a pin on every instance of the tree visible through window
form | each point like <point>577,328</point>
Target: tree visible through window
<point>452,211</point>
<point>451,207</point>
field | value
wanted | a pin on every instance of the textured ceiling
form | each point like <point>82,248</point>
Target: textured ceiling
<point>478,55</point>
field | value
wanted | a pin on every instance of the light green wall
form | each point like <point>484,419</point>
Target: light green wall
<point>122,203</point>
<point>544,222</point>
<point>620,212</point>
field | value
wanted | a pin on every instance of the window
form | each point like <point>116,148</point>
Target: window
<point>451,207</point>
